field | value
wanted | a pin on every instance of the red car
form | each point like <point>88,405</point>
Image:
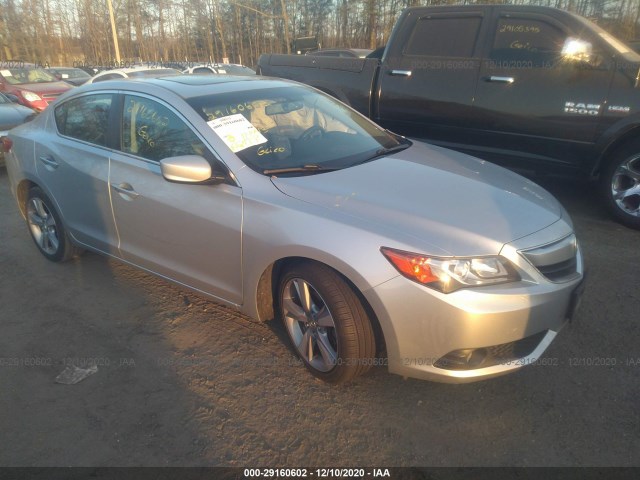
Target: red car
<point>34,87</point>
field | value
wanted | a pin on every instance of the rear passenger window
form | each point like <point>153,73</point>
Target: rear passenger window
<point>85,118</point>
<point>527,39</point>
<point>444,37</point>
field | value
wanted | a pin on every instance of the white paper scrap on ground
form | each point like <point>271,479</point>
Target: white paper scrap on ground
<point>237,132</point>
<point>73,374</point>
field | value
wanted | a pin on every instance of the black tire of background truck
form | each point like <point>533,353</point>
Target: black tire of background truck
<point>622,172</point>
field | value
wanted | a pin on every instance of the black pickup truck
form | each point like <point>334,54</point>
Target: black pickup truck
<point>534,88</point>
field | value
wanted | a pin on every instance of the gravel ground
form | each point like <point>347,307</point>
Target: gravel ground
<point>182,381</point>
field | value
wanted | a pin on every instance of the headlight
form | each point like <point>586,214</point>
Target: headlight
<point>30,96</point>
<point>450,274</point>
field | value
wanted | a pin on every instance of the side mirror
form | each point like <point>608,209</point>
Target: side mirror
<point>577,50</point>
<point>189,169</point>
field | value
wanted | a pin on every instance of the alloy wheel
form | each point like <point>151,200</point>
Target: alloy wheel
<point>310,324</point>
<point>625,186</point>
<point>43,226</point>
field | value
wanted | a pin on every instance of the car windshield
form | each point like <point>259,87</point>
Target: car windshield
<point>18,76</point>
<point>72,73</point>
<point>293,128</point>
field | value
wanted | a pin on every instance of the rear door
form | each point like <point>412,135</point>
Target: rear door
<point>72,159</point>
<point>188,233</point>
<point>428,77</point>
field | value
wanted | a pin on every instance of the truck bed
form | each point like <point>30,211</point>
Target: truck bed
<point>351,80</point>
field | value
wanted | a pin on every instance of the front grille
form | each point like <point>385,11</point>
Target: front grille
<point>559,271</point>
<point>557,261</point>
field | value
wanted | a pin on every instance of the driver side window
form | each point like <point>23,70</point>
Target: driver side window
<point>152,131</point>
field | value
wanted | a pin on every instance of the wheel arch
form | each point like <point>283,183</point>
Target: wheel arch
<point>629,135</point>
<point>22,192</point>
<point>267,290</point>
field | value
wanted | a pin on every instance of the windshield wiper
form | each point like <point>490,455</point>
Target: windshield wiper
<point>385,151</point>
<point>304,168</point>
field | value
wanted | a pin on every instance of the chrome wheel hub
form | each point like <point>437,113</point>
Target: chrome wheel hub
<point>625,186</point>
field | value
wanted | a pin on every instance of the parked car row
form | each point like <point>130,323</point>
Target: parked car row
<point>36,87</point>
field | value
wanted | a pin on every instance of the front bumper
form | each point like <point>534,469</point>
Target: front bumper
<point>501,328</point>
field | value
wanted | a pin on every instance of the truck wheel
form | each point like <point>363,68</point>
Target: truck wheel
<point>620,184</point>
<point>46,228</point>
<point>326,322</point>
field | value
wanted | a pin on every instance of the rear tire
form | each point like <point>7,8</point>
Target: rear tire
<point>620,184</point>
<point>326,322</point>
<point>46,228</point>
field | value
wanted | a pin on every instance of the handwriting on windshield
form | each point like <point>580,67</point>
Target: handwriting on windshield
<point>270,150</point>
<point>226,110</point>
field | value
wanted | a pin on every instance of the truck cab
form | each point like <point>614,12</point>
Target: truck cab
<point>532,87</point>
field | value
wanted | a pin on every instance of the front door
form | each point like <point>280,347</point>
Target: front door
<point>188,233</point>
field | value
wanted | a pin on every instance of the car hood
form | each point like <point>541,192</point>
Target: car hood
<point>12,114</point>
<point>45,87</point>
<point>444,202</point>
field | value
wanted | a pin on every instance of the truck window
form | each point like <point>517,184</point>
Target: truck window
<point>444,37</point>
<point>529,39</point>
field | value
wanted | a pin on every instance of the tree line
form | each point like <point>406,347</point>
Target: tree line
<point>67,32</point>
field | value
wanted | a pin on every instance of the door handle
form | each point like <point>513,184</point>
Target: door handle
<point>500,79</point>
<point>49,161</point>
<point>125,189</point>
<point>400,73</point>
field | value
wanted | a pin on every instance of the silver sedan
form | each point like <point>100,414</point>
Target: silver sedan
<point>275,199</point>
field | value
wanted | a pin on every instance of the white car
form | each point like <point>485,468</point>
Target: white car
<point>220,69</point>
<point>132,72</point>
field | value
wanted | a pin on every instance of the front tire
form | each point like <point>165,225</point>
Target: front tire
<point>46,228</point>
<point>620,184</point>
<point>326,322</point>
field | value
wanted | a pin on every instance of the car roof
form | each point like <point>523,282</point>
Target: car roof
<point>188,86</point>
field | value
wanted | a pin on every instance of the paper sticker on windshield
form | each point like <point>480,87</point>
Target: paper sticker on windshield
<point>5,73</point>
<point>237,132</point>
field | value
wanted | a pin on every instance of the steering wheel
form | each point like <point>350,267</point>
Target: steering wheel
<point>312,132</point>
